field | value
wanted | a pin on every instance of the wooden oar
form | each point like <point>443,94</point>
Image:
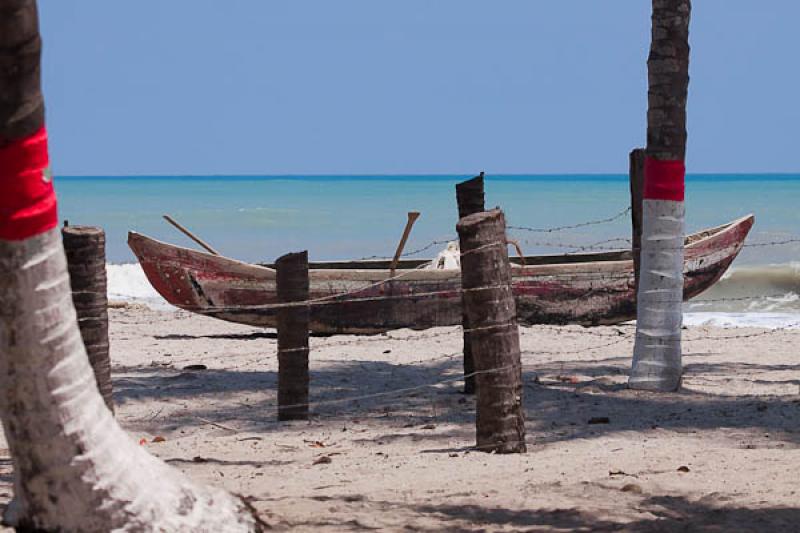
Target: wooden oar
<point>412,217</point>
<point>516,245</point>
<point>191,235</point>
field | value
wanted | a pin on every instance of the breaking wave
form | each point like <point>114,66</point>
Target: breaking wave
<point>764,296</point>
<point>751,289</point>
<point>127,283</point>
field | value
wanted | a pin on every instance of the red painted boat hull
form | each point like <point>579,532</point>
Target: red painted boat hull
<point>587,289</point>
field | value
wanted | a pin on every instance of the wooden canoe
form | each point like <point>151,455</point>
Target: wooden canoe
<point>581,288</point>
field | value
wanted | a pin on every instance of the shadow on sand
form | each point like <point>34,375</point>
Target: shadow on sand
<point>666,514</point>
<point>424,393</point>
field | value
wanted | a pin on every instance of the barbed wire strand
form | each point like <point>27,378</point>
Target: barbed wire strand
<point>447,240</point>
<point>459,378</point>
<point>585,277</point>
<point>574,226</point>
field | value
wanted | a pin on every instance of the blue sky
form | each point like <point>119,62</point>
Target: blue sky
<point>412,86</point>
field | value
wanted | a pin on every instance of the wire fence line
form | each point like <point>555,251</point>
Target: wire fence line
<point>574,248</point>
<point>574,351</point>
<point>788,327</point>
<point>585,276</point>
<point>595,274</point>
<point>389,338</point>
<point>459,378</point>
<point>390,393</point>
<point>737,298</point>
<point>435,383</point>
<point>773,243</point>
<point>618,335</point>
<point>601,245</point>
<point>447,240</point>
<point>336,297</point>
<point>616,338</point>
<point>573,226</point>
<point>522,366</point>
<point>386,338</point>
<point>437,242</point>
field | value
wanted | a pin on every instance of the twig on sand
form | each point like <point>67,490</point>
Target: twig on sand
<point>153,417</point>
<point>221,426</point>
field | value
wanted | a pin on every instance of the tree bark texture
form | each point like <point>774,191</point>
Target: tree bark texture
<point>470,198</point>
<point>636,174</point>
<point>657,351</point>
<point>668,80</point>
<point>293,326</point>
<point>85,247</point>
<point>490,306</point>
<point>21,102</point>
<point>75,469</point>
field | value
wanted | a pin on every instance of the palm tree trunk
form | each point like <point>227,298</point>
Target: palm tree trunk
<point>75,469</point>
<point>657,350</point>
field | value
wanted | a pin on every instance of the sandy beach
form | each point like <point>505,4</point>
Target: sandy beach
<point>389,445</point>
<point>360,166</point>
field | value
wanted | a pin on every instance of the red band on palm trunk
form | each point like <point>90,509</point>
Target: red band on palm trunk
<point>664,180</point>
<point>27,197</point>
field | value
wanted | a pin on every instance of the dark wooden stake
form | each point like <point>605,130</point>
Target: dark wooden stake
<point>636,172</point>
<point>470,198</point>
<point>293,379</point>
<point>85,247</point>
<point>492,312</point>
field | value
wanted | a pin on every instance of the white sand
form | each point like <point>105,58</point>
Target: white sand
<point>402,461</point>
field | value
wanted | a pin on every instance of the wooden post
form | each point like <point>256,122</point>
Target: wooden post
<point>293,379</point>
<point>85,248</point>
<point>636,172</point>
<point>492,312</point>
<point>470,198</point>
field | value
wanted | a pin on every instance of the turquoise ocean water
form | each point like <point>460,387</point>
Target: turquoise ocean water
<point>336,217</point>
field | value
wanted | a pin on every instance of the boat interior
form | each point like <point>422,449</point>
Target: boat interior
<point>530,260</point>
<point>409,264</point>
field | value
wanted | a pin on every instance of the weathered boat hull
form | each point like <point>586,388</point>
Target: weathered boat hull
<point>587,289</point>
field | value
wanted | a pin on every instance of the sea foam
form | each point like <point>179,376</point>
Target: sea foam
<point>743,320</point>
<point>128,283</point>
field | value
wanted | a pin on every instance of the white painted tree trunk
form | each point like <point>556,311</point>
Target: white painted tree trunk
<point>75,469</point>
<point>657,348</point>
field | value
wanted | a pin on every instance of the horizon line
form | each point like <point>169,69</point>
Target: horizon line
<point>413,175</point>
